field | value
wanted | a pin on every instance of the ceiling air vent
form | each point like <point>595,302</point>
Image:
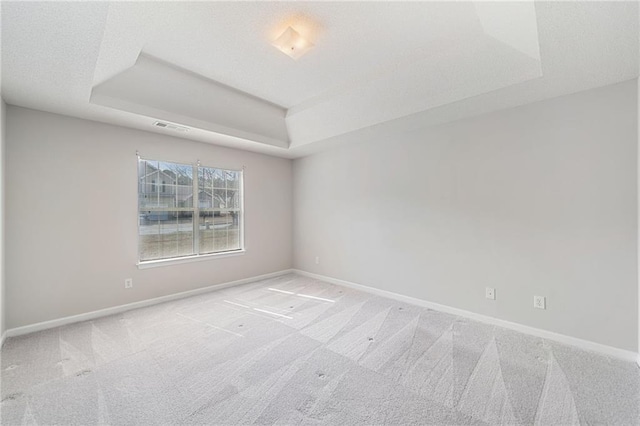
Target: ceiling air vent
<point>170,126</point>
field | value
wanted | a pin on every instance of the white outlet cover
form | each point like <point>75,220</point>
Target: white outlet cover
<point>490,293</point>
<point>540,302</point>
<point>128,283</point>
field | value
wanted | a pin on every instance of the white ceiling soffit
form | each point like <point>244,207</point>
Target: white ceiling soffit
<point>377,68</point>
<point>156,89</point>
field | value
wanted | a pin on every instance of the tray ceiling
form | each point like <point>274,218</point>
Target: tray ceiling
<point>211,66</point>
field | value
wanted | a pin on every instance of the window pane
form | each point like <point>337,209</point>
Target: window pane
<point>179,174</point>
<point>184,196</point>
<point>206,229</point>
<point>146,183</point>
<point>233,198</point>
<point>205,185</point>
<point>165,234</point>
<point>218,178</point>
<point>219,232</point>
<point>164,185</point>
<point>233,237</point>
<point>167,207</point>
<point>205,178</point>
<point>219,198</point>
<point>233,179</point>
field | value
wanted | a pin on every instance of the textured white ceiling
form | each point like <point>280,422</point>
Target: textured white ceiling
<point>374,64</point>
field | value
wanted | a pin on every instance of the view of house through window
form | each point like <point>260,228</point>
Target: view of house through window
<point>194,211</point>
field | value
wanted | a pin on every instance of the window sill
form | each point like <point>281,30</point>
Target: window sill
<point>188,259</point>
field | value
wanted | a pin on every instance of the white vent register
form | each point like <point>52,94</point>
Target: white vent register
<point>170,126</point>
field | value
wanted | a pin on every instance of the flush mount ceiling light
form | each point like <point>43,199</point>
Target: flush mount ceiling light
<point>292,43</point>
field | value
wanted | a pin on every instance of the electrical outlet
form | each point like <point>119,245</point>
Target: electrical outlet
<point>317,260</point>
<point>128,283</point>
<point>539,302</point>
<point>490,293</point>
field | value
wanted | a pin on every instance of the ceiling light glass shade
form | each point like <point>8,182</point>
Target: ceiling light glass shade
<point>292,43</point>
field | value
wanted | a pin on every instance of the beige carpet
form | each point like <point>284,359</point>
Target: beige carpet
<point>293,350</point>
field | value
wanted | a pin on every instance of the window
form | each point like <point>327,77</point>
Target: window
<point>197,212</point>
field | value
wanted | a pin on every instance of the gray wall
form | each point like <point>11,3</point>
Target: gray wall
<point>71,237</point>
<point>535,200</point>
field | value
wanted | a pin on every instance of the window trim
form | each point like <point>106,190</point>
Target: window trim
<point>144,264</point>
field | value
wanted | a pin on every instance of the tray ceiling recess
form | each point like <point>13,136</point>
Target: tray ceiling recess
<point>211,69</point>
<point>497,47</point>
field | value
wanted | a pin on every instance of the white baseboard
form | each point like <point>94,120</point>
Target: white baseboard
<point>31,328</point>
<point>568,340</point>
<point>4,336</point>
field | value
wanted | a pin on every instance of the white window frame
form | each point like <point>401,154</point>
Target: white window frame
<point>144,264</point>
